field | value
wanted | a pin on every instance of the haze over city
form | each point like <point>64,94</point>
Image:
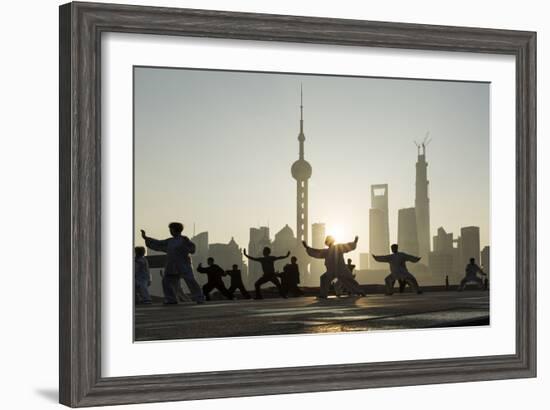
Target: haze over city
<point>213,149</point>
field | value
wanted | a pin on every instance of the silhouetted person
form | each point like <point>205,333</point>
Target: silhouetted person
<point>338,289</point>
<point>447,282</point>
<point>237,282</point>
<point>178,263</point>
<point>471,275</point>
<point>333,255</point>
<point>291,278</point>
<point>398,269</point>
<point>142,276</point>
<point>214,273</point>
<point>268,268</point>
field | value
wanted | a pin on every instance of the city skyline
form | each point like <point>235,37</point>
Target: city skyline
<point>340,197</point>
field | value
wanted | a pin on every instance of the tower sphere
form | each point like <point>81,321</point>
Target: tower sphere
<point>301,170</point>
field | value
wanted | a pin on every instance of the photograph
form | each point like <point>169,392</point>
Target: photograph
<point>275,203</point>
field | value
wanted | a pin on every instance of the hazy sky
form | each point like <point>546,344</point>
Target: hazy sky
<point>214,149</point>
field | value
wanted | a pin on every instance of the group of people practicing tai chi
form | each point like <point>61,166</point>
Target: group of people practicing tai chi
<point>178,249</point>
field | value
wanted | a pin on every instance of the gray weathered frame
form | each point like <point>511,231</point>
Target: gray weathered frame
<point>81,26</point>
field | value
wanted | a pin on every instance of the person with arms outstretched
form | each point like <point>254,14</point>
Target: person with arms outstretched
<point>398,269</point>
<point>214,273</point>
<point>336,267</point>
<point>472,269</point>
<point>268,266</point>
<point>237,282</point>
<point>178,249</point>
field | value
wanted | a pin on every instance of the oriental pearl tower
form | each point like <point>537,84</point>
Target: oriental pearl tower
<point>301,172</point>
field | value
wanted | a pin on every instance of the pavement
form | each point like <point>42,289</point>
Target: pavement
<point>230,318</point>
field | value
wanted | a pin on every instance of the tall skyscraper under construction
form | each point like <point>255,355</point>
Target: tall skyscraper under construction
<point>422,202</point>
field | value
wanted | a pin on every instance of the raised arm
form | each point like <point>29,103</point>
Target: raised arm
<point>348,247</point>
<point>381,258</point>
<point>282,257</point>
<point>411,258</point>
<point>200,269</point>
<point>315,253</point>
<point>155,244</point>
<point>250,257</point>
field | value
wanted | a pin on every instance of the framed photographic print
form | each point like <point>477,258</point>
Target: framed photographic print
<point>259,204</point>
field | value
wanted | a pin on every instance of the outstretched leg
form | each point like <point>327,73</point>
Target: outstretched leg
<point>351,285</point>
<point>277,284</point>
<point>402,285</point>
<point>169,289</point>
<point>411,280</point>
<point>257,286</point>
<point>194,287</point>
<point>223,290</point>
<point>206,289</point>
<point>389,285</point>
<point>325,279</point>
<point>243,291</point>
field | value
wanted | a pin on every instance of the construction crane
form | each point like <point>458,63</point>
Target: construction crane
<point>422,145</point>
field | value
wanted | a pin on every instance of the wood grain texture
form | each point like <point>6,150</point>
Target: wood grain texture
<point>81,26</point>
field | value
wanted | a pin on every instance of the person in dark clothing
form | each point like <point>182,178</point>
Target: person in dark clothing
<point>291,278</point>
<point>472,269</point>
<point>333,255</point>
<point>237,282</point>
<point>215,281</point>
<point>268,268</point>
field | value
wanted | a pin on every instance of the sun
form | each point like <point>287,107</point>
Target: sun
<point>337,231</point>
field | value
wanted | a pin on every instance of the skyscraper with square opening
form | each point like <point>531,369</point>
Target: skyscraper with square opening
<point>379,228</point>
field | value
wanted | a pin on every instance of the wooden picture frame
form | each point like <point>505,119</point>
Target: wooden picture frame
<point>81,27</point>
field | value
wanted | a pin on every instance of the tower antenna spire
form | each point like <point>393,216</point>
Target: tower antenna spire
<point>301,110</point>
<point>301,172</point>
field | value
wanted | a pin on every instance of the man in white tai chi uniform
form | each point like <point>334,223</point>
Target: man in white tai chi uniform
<point>398,269</point>
<point>178,249</point>
<point>333,255</point>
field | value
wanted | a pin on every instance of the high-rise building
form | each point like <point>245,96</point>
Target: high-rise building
<point>443,259</point>
<point>407,235</point>
<point>284,241</point>
<point>301,172</point>
<point>469,244</point>
<point>364,261</point>
<point>226,254</point>
<point>422,202</point>
<point>486,260</point>
<point>318,233</point>
<point>379,228</point>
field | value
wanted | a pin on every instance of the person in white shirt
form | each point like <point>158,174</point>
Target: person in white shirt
<point>398,269</point>
<point>178,263</point>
